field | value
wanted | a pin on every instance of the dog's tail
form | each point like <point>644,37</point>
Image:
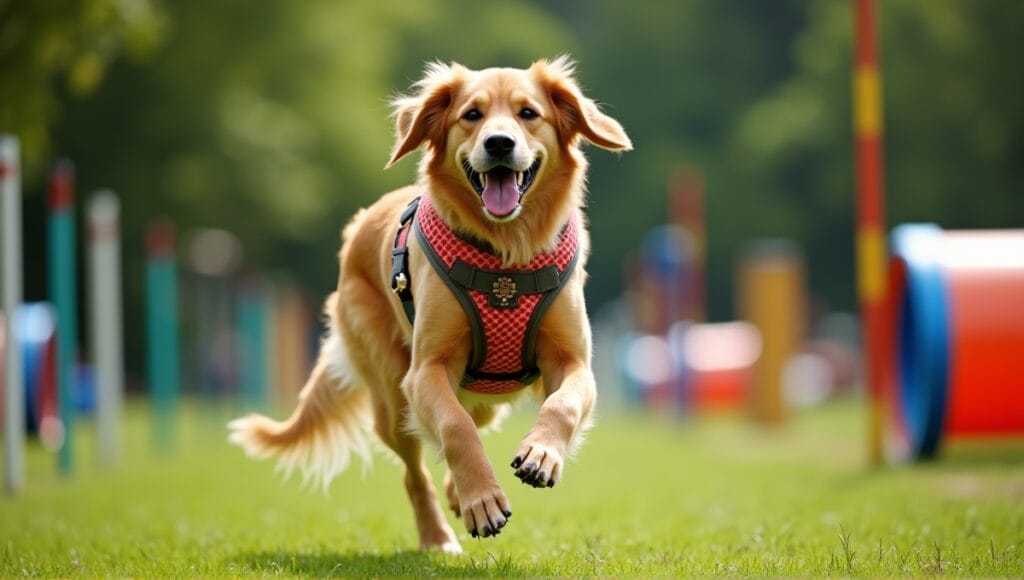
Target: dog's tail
<point>333,420</point>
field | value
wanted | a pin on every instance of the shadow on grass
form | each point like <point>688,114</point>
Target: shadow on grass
<point>400,563</point>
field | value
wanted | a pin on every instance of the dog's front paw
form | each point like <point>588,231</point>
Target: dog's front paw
<point>486,514</point>
<point>538,465</point>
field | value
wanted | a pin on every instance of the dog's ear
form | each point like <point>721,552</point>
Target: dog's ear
<point>421,117</point>
<point>578,115</point>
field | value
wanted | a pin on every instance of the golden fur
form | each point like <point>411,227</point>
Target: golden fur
<point>377,372</point>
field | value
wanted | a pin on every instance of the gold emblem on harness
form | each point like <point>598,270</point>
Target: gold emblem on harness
<point>504,289</point>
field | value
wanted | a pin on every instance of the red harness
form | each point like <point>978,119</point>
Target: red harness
<point>504,307</point>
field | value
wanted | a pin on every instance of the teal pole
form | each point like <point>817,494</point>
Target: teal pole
<point>252,322</point>
<point>63,294</point>
<point>162,342</point>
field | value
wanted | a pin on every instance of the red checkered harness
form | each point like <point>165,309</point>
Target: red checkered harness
<point>504,307</point>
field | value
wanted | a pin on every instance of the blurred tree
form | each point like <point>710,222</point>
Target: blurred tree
<point>954,129</point>
<point>678,75</point>
<point>71,41</point>
<point>758,95</point>
<point>271,119</point>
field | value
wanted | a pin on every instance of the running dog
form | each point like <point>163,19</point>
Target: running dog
<point>458,294</point>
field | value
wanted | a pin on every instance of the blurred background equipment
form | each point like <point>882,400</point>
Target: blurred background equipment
<point>868,129</point>
<point>720,359</point>
<point>162,326</point>
<point>13,382</point>
<point>741,113</point>
<point>103,213</point>
<point>957,311</point>
<point>773,297</point>
<point>63,285</point>
<point>36,333</point>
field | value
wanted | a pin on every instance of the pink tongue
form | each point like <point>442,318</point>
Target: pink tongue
<point>501,196</point>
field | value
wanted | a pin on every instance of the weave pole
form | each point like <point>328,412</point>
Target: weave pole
<point>10,300</point>
<point>871,246</point>
<point>162,344</point>
<point>105,305</point>
<point>251,314</point>
<point>63,293</point>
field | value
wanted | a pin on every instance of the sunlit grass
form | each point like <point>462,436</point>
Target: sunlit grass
<point>647,496</point>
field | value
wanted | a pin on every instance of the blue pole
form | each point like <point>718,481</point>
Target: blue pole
<point>162,342</point>
<point>62,287</point>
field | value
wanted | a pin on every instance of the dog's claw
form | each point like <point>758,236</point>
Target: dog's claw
<point>517,462</point>
<point>527,471</point>
<point>484,517</point>
<point>508,513</point>
<point>539,465</point>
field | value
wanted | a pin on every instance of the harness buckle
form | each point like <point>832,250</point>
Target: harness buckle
<point>400,283</point>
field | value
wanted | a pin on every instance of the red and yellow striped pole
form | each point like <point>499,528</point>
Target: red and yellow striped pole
<point>871,250</point>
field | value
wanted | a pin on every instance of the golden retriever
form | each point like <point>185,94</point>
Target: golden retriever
<point>376,372</point>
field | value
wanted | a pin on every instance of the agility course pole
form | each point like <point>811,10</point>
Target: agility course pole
<point>773,297</point>
<point>293,327</point>
<point>10,300</point>
<point>63,293</point>
<point>105,308</point>
<point>870,241</point>
<point>162,342</point>
<point>251,314</point>
<point>686,206</point>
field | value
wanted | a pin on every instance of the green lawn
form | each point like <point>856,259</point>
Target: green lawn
<point>647,496</point>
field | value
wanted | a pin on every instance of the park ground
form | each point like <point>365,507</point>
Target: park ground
<point>648,495</point>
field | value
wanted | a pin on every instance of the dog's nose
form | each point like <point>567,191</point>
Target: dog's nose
<point>499,145</point>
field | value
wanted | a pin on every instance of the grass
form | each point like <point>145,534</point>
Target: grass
<point>647,496</point>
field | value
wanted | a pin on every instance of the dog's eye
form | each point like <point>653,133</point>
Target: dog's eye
<point>473,115</point>
<point>528,114</point>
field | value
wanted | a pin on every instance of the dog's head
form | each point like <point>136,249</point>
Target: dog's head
<point>503,143</point>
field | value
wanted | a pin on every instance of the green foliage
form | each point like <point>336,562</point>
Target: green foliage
<point>952,130</point>
<point>644,498</point>
<point>56,49</point>
<point>270,119</point>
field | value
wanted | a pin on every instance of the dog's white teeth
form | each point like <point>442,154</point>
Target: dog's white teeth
<point>519,178</point>
<point>483,180</point>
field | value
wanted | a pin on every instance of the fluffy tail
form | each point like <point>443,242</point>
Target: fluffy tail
<point>333,420</point>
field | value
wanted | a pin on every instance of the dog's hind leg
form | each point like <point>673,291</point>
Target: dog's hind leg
<point>433,529</point>
<point>379,356</point>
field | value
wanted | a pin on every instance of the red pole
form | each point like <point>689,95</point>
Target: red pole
<point>871,250</point>
<point>686,206</point>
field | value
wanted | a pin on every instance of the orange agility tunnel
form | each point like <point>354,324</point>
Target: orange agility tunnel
<point>957,312</point>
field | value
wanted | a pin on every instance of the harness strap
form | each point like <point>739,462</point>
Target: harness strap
<point>503,290</point>
<point>492,282</point>
<point>401,284</point>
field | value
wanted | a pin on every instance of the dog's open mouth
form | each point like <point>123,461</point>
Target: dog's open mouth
<point>502,188</point>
